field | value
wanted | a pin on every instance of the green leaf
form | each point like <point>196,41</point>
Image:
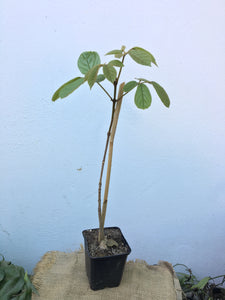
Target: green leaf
<point>2,275</point>
<point>201,284</point>
<point>161,93</point>
<point>67,88</point>
<point>116,63</point>
<point>100,78</point>
<point>114,52</point>
<point>129,86</point>
<point>17,285</point>
<point>109,72</point>
<point>142,56</point>
<point>88,60</point>
<point>91,75</point>
<point>142,97</point>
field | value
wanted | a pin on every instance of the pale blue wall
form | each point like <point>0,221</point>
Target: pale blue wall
<point>168,171</point>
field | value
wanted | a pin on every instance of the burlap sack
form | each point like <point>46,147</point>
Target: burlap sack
<point>61,276</point>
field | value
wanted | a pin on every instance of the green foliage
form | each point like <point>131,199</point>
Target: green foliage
<point>143,97</point>
<point>109,72</point>
<point>91,75</point>
<point>142,56</point>
<point>159,90</point>
<point>115,52</point>
<point>67,88</point>
<point>88,60</point>
<point>161,93</point>
<point>100,78</point>
<point>130,86</point>
<point>201,284</point>
<point>14,282</point>
<point>116,63</point>
<point>89,64</point>
<point>204,289</point>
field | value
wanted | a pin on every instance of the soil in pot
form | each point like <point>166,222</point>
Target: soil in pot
<point>104,267</point>
<point>116,242</point>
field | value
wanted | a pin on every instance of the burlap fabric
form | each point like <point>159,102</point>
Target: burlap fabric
<point>61,276</point>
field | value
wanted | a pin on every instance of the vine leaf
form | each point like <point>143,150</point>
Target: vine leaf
<point>67,88</point>
<point>142,56</point>
<point>88,60</point>
<point>142,97</point>
<point>109,72</point>
<point>129,86</point>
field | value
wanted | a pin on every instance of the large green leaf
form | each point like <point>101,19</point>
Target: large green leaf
<point>109,72</point>
<point>67,88</point>
<point>142,56</point>
<point>91,75</point>
<point>129,86</point>
<point>88,60</point>
<point>142,97</point>
<point>161,93</point>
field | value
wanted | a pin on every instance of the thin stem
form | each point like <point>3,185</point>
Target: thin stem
<point>105,91</point>
<point>121,67</point>
<point>122,96</point>
<point>181,265</point>
<point>103,163</point>
<point>212,278</point>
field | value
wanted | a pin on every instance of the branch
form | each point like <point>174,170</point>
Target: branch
<point>105,91</point>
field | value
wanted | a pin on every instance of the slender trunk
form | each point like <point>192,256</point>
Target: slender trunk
<point>103,163</point>
<point>112,135</point>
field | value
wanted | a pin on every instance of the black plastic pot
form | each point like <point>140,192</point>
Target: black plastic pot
<point>105,271</point>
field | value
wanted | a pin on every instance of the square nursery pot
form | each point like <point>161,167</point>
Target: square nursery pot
<point>106,270</point>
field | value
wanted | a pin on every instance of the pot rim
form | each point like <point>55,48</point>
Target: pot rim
<point>110,256</point>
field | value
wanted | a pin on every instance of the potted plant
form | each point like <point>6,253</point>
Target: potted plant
<point>106,249</point>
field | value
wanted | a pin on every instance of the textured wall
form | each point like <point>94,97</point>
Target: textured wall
<point>168,170</point>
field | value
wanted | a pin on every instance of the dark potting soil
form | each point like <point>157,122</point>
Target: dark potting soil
<point>110,233</point>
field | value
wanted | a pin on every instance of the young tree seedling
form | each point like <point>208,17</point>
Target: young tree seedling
<point>90,66</point>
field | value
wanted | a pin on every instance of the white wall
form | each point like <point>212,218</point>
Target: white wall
<point>167,191</point>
